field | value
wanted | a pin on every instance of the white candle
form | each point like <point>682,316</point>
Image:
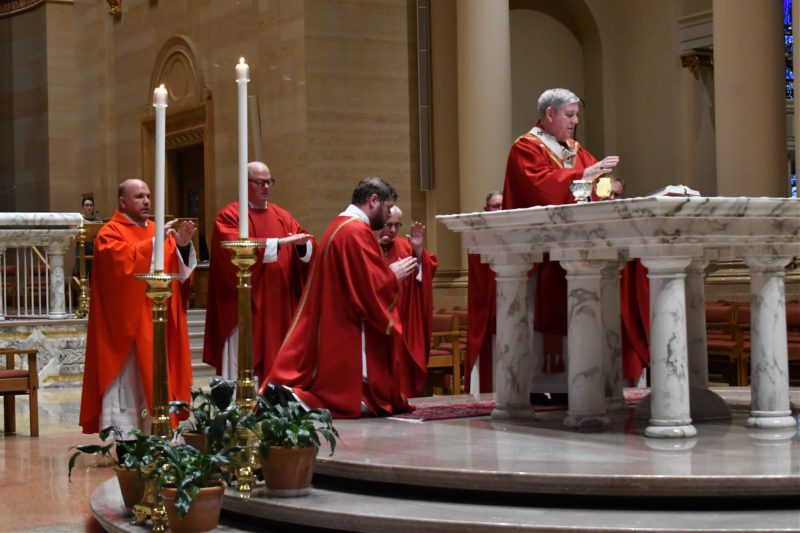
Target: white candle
<point>242,79</point>
<point>160,103</point>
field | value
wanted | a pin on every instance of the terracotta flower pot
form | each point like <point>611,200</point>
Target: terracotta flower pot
<point>203,514</point>
<point>130,484</point>
<point>196,440</point>
<point>288,471</point>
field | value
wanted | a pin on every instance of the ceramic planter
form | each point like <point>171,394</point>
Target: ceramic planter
<point>203,515</point>
<point>288,471</point>
<point>196,440</point>
<point>130,484</point>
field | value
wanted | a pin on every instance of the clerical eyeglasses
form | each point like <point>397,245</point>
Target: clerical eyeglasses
<point>261,183</point>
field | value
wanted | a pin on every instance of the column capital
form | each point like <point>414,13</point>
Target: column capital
<point>769,263</point>
<point>582,267</point>
<point>666,265</point>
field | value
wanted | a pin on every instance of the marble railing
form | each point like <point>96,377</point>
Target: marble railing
<point>675,238</point>
<point>32,248</point>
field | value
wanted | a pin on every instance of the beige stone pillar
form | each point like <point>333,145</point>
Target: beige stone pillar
<point>750,116</point>
<point>796,60</point>
<point>484,98</point>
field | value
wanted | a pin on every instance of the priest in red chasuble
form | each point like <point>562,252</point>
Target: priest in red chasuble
<point>277,278</point>
<point>415,303</point>
<point>541,166</point>
<point>481,314</point>
<point>338,353</point>
<point>118,372</point>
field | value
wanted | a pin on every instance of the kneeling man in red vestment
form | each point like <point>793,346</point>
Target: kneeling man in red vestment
<point>338,351</point>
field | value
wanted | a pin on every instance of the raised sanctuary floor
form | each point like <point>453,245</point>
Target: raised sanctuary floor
<point>486,474</point>
<point>455,475</point>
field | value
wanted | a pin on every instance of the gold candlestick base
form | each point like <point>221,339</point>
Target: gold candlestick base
<point>159,288</point>
<point>83,298</point>
<point>244,257</point>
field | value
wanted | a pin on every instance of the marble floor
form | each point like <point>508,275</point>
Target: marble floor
<point>36,496</point>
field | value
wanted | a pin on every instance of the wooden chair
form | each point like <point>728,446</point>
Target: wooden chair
<point>721,337</point>
<point>14,381</point>
<point>743,339</point>
<point>445,347</point>
<point>793,334</point>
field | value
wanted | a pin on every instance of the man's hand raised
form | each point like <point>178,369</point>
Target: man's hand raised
<point>403,268</point>
<point>417,237</point>
<point>183,235</point>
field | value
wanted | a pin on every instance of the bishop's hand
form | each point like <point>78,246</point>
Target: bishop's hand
<point>417,237</point>
<point>403,268</point>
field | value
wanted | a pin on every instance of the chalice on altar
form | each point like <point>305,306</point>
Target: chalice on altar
<point>581,190</point>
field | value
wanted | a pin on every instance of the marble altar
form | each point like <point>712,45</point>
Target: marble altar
<point>675,238</point>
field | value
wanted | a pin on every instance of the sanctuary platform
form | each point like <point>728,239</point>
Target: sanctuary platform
<point>534,474</point>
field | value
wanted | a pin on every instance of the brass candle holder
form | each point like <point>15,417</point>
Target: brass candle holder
<point>244,257</point>
<point>83,298</point>
<point>159,288</point>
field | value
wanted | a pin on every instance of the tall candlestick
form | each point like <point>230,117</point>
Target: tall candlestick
<point>160,103</point>
<point>242,79</point>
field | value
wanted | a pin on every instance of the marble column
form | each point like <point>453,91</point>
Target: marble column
<point>696,323</point>
<point>585,338</point>
<point>57,307</point>
<point>512,361</point>
<point>742,97</point>
<point>484,98</point>
<point>612,335</point>
<point>669,372</point>
<point>769,359</point>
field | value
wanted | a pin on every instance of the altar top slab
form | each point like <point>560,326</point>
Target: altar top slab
<point>713,223</point>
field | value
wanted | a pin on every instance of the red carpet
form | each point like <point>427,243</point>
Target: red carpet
<point>449,411</point>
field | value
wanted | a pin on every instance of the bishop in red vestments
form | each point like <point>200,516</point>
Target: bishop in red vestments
<point>277,279</point>
<point>414,305</point>
<point>118,371</point>
<point>541,166</point>
<point>338,351</point>
<point>481,312</point>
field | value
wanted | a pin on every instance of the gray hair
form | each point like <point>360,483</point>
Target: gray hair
<point>556,98</point>
<point>396,211</point>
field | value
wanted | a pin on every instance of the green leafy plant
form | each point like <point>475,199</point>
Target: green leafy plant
<point>291,426</point>
<point>134,451</point>
<point>188,470</point>
<point>213,413</point>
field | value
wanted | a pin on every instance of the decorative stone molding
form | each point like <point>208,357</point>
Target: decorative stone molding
<point>15,7</point>
<point>697,59</point>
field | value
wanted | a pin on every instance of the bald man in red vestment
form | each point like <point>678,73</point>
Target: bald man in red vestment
<point>481,314</point>
<point>276,279</point>
<point>118,371</point>
<point>338,352</point>
<point>415,303</point>
<point>541,166</point>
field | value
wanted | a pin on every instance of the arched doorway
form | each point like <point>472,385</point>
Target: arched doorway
<point>189,172</point>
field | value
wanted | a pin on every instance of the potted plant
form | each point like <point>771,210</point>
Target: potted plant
<point>191,484</point>
<point>208,426</point>
<point>131,454</point>
<point>289,437</point>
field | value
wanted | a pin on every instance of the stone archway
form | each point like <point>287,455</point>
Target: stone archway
<point>189,140</point>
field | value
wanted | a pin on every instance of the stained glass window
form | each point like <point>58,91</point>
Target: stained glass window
<point>787,47</point>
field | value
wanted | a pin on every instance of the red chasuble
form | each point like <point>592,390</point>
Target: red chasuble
<point>415,309</point>
<point>120,317</point>
<point>535,176</point>
<point>275,291</point>
<point>347,305</point>
<point>481,321</point>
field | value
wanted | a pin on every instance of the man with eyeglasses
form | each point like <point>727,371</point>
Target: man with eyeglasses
<point>277,278</point>
<point>415,303</point>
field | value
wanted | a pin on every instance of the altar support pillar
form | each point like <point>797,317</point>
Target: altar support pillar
<point>612,335</point>
<point>512,361</point>
<point>585,335</point>
<point>669,397</point>
<point>57,303</point>
<point>484,98</point>
<point>696,323</point>
<point>769,358</point>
